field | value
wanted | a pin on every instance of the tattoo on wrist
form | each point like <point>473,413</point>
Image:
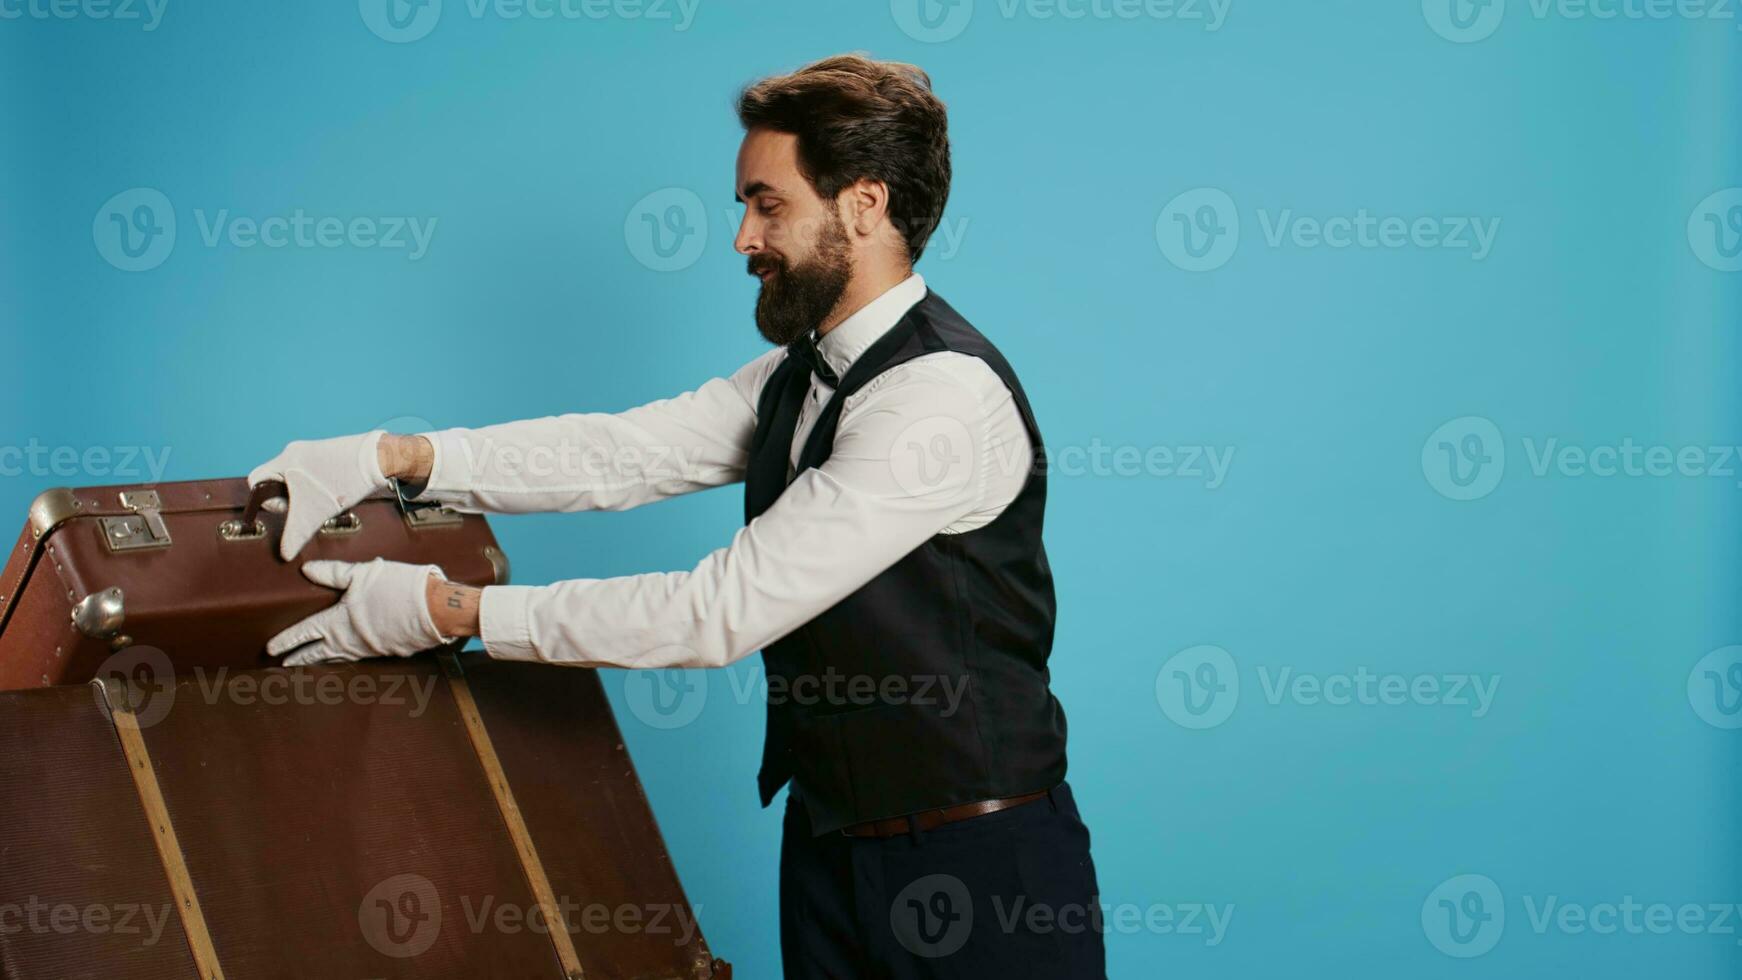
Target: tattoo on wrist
<point>454,608</point>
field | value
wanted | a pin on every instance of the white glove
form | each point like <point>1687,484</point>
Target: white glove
<point>384,613</point>
<point>325,478</point>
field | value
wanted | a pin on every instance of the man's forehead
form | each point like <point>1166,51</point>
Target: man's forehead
<point>767,163</point>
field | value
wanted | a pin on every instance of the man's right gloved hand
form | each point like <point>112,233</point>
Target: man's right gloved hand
<point>325,478</point>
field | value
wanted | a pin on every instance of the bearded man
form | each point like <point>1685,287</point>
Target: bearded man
<point>890,567</point>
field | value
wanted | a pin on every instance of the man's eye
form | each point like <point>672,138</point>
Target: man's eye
<point>768,209</point>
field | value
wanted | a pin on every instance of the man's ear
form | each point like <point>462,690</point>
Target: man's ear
<point>864,207</point>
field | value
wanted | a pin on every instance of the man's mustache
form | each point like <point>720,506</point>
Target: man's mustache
<point>759,264</point>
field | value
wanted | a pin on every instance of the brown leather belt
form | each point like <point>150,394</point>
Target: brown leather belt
<point>928,819</point>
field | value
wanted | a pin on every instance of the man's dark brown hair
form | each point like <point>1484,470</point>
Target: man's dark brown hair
<point>858,118</point>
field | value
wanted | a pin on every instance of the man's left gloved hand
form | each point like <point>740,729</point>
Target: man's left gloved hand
<point>384,613</point>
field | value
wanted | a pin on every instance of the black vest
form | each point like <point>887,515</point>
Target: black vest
<point>927,687</point>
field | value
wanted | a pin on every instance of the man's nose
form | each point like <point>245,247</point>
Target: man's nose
<point>749,240</point>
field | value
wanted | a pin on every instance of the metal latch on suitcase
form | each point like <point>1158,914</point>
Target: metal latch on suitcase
<point>425,513</point>
<point>144,528</point>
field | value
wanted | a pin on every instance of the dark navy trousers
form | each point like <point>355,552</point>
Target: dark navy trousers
<point>1010,894</point>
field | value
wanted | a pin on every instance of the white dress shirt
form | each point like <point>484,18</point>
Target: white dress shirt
<point>935,445</point>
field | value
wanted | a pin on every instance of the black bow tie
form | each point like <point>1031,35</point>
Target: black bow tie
<point>805,349</point>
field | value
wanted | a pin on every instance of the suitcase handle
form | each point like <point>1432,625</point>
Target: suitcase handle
<point>261,494</point>
<point>250,527</point>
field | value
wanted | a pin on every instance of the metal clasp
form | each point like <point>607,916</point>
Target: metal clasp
<point>346,523</point>
<point>144,528</point>
<point>232,530</point>
<point>424,513</point>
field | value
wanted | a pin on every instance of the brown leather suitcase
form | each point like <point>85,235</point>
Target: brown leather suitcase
<point>192,569</point>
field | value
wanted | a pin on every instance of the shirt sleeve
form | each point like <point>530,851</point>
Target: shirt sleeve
<point>908,462</point>
<point>600,461</point>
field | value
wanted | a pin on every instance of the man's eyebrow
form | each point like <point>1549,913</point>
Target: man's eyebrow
<point>752,189</point>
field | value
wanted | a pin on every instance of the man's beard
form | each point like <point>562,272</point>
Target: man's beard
<point>796,299</point>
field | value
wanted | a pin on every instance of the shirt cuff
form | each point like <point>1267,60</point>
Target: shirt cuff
<point>504,622</point>
<point>450,480</point>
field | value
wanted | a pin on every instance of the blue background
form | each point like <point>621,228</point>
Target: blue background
<point>1327,549</point>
